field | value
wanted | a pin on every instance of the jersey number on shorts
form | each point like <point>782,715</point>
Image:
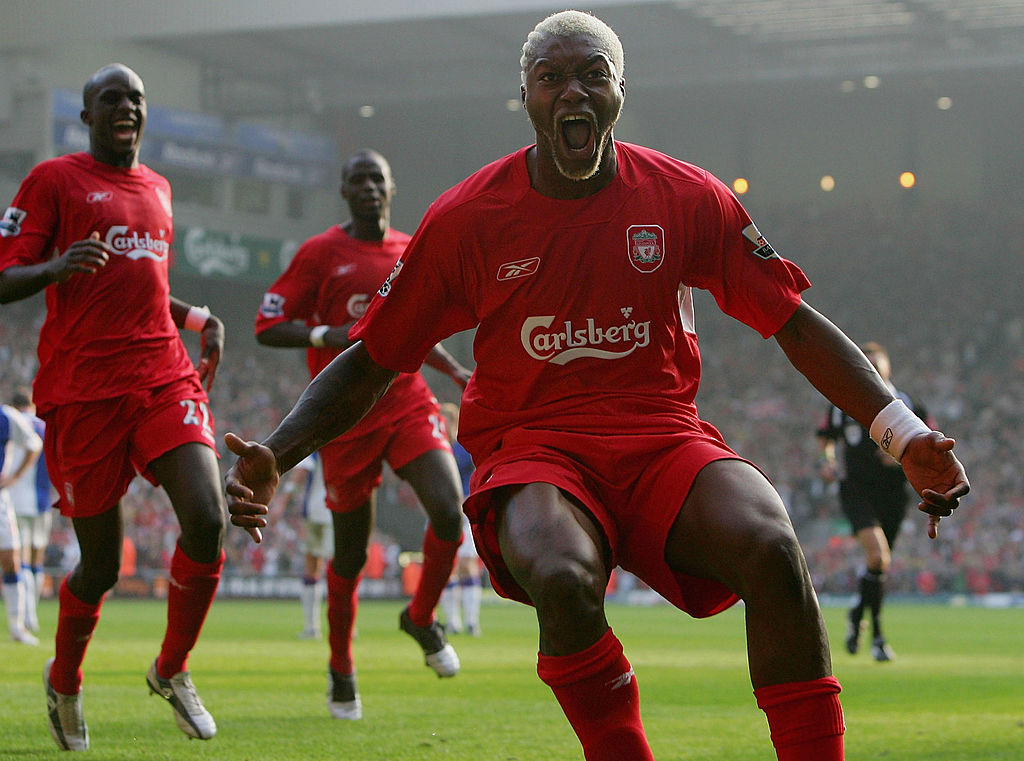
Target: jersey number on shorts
<point>197,413</point>
<point>440,431</point>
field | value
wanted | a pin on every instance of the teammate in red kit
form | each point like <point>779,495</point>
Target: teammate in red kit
<point>575,259</point>
<point>116,387</point>
<point>313,304</point>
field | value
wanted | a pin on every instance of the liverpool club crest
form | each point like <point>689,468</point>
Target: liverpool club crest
<point>645,246</point>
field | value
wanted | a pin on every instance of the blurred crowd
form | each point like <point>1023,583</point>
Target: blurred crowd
<point>939,286</point>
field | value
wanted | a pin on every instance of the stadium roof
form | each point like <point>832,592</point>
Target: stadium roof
<point>278,56</point>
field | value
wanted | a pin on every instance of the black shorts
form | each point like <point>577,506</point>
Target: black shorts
<point>865,508</point>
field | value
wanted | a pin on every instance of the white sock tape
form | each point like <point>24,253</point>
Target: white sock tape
<point>894,426</point>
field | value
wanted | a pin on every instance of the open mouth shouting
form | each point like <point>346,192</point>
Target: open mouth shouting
<point>578,151</point>
<point>578,135</point>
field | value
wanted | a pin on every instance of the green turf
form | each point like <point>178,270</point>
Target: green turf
<point>956,692</point>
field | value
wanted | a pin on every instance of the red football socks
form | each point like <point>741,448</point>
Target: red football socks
<point>76,622</point>
<point>342,604</point>
<point>191,589</point>
<point>438,562</point>
<point>598,694</point>
<point>806,719</point>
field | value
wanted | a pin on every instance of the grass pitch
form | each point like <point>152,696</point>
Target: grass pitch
<point>955,693</point>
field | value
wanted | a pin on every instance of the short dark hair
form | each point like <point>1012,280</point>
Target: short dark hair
<point>90,86</point>
<point>22,397</point>
<point>874,348</point>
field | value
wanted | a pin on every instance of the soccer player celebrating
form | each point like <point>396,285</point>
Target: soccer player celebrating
<point>313,304</point>
<point>116,387</point>
<point>574,258</point>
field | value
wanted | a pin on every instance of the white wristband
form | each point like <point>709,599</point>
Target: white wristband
<point>316,336</point>
<point>894,426</point>
<point>196,319</point>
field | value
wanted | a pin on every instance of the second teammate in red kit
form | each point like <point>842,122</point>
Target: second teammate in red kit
<point>325,289</point>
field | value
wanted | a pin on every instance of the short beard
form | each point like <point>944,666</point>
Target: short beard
<point>578,175</point>
<point>592,169</point>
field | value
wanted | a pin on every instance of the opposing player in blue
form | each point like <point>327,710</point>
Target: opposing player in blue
<point>33,498</point>
<point>20,447</point>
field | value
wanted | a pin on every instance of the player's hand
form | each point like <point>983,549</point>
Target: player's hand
<point>250,484</point>
<point>211,347</point>
<point>81,257</point>
<point>936,475</point>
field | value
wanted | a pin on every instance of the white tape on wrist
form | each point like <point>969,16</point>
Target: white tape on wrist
<point>316,336</point>
<point>196,319</point>
<point>894,426</point>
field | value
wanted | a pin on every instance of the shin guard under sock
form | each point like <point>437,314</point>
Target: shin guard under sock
<point>805,718</point>
<point>438,563</point>
<point>598,694</point>
<point>872,590</point>
<point>342,605</point>
<point>190,592</point>
<point>76,622</point>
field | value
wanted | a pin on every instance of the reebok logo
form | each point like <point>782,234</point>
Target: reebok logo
<point>521,268</point>
<point>622,680</point>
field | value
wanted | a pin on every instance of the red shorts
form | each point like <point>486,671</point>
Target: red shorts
<point>353,463</point>
<point>94,449</point>
<point>634,486</point>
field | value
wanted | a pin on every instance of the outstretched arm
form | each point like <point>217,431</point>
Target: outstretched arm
<point>840,371</point>
<point>295,334</point>
<point>334,402</point>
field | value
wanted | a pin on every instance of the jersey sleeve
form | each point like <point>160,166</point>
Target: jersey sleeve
<point>738,266</point>
<point>29,226</point>
<point>293,295</point>
<point>423,301</point>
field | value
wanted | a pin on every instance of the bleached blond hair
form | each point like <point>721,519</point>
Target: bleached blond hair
<point>570,24</point>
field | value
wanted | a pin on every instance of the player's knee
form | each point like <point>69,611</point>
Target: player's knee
<point>97,580</point>
<point>447,522</point>
<point>566,585</point>
<point>203,530</point>
<point>878,563</point>
<point>350,561</point>
<point>774,568</point>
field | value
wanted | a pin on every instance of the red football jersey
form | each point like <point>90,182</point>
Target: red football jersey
<point>583,309</point>
<point>108,332</point>
<point>330,282</point>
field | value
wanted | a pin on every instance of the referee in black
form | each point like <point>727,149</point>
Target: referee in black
<point>874,496</point>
